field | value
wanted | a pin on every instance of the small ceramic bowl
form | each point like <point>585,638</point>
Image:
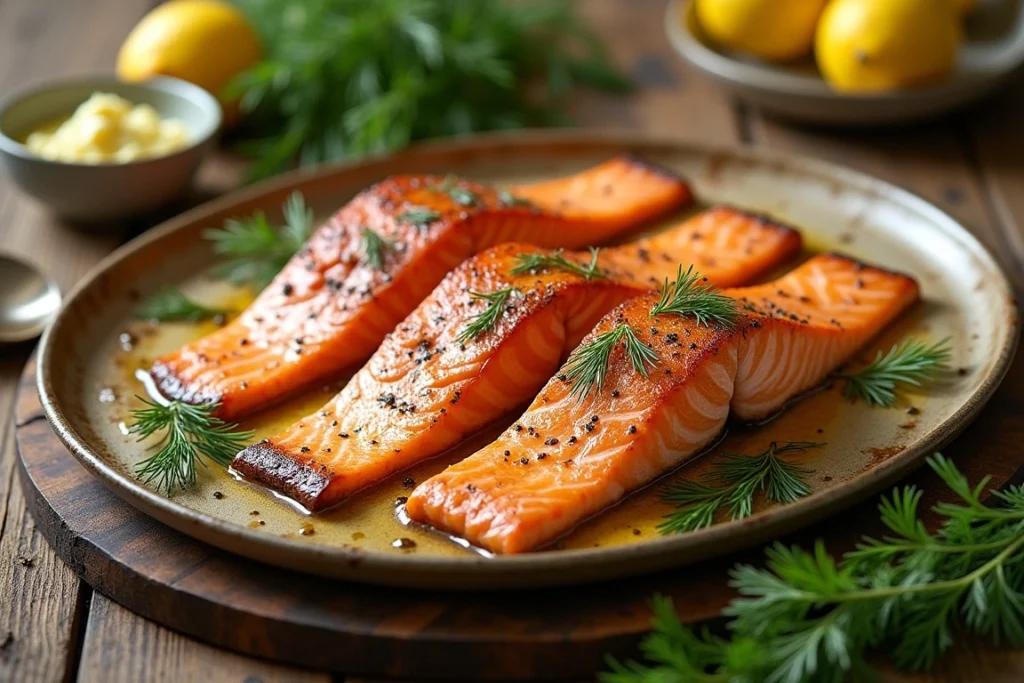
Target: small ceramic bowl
<point>93,193</point>
<point>992,51</point>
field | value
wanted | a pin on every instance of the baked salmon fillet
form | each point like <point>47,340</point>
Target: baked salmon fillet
<point>431,383</point>
<point>565,459</point>
<point>379,256</point>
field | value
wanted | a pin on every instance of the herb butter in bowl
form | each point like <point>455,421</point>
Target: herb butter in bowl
<point>109,129</point>
<point>96,149</point>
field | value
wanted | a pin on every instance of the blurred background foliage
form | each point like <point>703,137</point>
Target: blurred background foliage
<point>346,78</point>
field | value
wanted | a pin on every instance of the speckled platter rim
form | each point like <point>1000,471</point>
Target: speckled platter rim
<point>547,568</point>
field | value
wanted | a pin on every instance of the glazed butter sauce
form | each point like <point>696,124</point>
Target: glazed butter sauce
<point>372,520</point>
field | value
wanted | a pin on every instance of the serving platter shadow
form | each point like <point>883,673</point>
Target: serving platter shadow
<point>967,298</point>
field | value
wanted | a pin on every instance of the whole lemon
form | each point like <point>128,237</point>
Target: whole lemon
<point>880,45</point>
<point>206,42</point>
<point>774,30</point>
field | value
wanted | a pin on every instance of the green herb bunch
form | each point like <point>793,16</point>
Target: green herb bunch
<point>808,617</point>
<point>344,78</point>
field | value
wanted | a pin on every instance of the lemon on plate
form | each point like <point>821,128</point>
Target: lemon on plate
<point>774,30</point>
<point>206,42</point>
<point>884,45</point>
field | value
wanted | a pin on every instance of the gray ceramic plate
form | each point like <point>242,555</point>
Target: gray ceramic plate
<point>95,196</point>
<point>87,390</point>
<point>993,50</point>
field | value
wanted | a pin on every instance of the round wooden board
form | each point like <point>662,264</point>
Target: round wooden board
<point>326,624</point>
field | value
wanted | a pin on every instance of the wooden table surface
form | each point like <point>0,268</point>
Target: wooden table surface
<point>53,627</point>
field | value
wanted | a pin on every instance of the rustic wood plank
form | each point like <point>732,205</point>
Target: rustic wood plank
<point>670,99</point>
<point>41,599</point>
<point>993,131</point>
<point>122,647</point>
<point>969,661</point>
<point>928,159</point>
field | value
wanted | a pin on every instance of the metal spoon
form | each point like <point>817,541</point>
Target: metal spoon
<point>28,300</point>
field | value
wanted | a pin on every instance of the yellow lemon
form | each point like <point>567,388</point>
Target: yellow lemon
<point>206,42</point>
<point>880,45</point>
<point>774,30</point>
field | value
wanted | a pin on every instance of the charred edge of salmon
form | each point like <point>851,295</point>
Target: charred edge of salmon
<point>656,168</point>
<point>265,463</point>
<point>861,266</point>
<point>173,388</point>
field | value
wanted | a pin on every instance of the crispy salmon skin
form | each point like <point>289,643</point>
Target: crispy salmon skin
<point>379,256</point>
<point>565,460</point>
<point>429,384</point>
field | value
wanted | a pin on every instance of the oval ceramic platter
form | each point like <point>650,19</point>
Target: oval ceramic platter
<point>993,49</point>
<point>88,357</point>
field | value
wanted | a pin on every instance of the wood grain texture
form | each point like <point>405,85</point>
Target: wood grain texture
<point>969,661</point>
<point>41,599</point>
<point>670,99</point>
<point>997,149</point>
<point>331,625</point>
<point>930,160</point>
<point>119,647</point>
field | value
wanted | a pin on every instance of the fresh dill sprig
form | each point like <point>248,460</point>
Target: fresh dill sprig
<point>418,215</point>
<point>531,263</point>
<point>255,250</point>
<point>375,248</point>
<point>691,294</point>
<point>486,319</point>
<point>587,366</point>
<point>460,195</point>
<point>463,196</point>
<point>170,304</point>
<point>733,485</point>
<point>809,617</point>
<point>298,219</point>
<point>506,198</point>
<point>190,433</point>
<point>909,362</point>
